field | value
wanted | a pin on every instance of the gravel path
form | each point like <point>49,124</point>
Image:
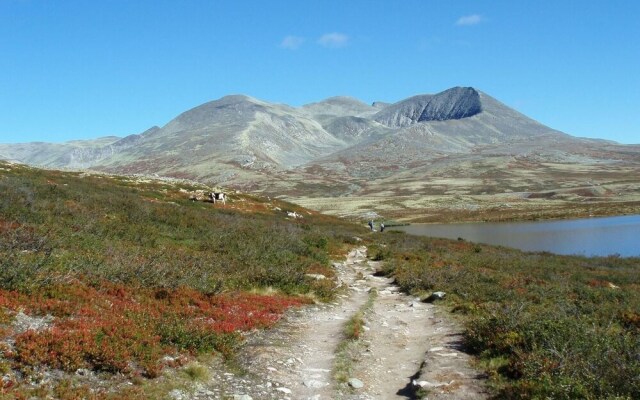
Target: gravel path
<point>406,346</point>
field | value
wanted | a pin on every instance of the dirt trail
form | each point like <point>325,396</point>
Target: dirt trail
<point>409,346</point>
<point>405,343</point>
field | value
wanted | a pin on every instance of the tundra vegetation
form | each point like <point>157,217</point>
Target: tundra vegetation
<point>108,280</point>
<point>542,325</point>
<point>124,277</point>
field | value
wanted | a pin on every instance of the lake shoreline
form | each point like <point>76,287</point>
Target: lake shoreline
<point>594,236</point>
<point>508,221</point>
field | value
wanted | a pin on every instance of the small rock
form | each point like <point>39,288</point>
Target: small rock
<point>356,383</point>
<point>284,390</point>
<point>317,277</point>
<point>435,296</point>
<point>242,397</point>
<point>314,384</point>
<point>177,394</point>
<point>427,384</point>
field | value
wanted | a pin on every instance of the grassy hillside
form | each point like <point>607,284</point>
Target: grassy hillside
<point>107,281</point>
<point>543,326</point>
<point>125,277</point>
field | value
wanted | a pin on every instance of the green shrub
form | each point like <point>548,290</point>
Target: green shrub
<point>545,326</point>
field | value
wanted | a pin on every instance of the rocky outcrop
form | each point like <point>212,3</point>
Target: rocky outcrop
<point>452,104</point>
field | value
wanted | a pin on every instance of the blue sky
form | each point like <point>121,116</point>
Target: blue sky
<point>83,69</point>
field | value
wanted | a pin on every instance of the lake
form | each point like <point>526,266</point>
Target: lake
<point>589,237</point>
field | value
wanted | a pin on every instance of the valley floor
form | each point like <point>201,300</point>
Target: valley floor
<point>487,208</point>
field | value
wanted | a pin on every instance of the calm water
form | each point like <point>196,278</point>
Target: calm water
<point>590,237</point>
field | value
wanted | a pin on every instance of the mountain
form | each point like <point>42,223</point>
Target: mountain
<point>455,103</point>
<point>234,136</point>
<point>459,142</point>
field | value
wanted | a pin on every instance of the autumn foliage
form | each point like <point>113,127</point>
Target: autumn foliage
<point>113,328</point>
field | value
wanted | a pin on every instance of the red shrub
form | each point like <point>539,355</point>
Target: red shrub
<point>119,329</point>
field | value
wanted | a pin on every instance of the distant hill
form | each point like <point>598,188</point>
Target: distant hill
<point>460,141</point>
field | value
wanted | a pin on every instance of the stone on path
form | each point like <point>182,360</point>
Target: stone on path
<point>314,383</point>
<point>356,383</point>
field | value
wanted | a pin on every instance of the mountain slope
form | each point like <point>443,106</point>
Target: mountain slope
<point>460,141</point>
<point>235,136</point>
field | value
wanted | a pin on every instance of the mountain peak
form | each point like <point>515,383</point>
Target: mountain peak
<point>455,103</point>
<point>338,106</point>
<point>234,99</point>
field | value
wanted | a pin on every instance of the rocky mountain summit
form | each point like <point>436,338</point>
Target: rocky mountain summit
<point>452,104</point>
<point>460,141</point>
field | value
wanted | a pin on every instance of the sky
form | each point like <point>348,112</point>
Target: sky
<point>85,69</point>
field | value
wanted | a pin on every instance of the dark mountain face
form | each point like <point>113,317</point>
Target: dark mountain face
<point>452,104</point>
<point>456,103</point>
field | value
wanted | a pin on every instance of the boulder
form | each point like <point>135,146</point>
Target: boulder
<point>435,296</point>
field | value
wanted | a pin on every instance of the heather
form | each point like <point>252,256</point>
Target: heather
<point>109,283</point>
<point>125,277</point>
<point>542,325</point>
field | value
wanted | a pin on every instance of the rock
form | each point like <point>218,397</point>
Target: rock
<point>435,296</point>
<point>23,322</point>
<point>317,277</point>
<point>242,397</point>
<point>315,384</point>
<point>356,383</point>
<point>427,384</point>
<point>83,372</point>
<point>178,394</point>
<point>454,103</point>
<point>198,195</point>
<point>284,390</point>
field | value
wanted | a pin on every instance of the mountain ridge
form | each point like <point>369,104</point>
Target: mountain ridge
<point>342,146</point>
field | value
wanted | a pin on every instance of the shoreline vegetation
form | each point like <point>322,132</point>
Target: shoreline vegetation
<point>541,325</point>
<point>552,210</point>
<point>124,278</point>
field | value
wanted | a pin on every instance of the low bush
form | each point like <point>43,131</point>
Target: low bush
<point>129,276</point>
<point>113,328</point>
<point>545,326</point>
